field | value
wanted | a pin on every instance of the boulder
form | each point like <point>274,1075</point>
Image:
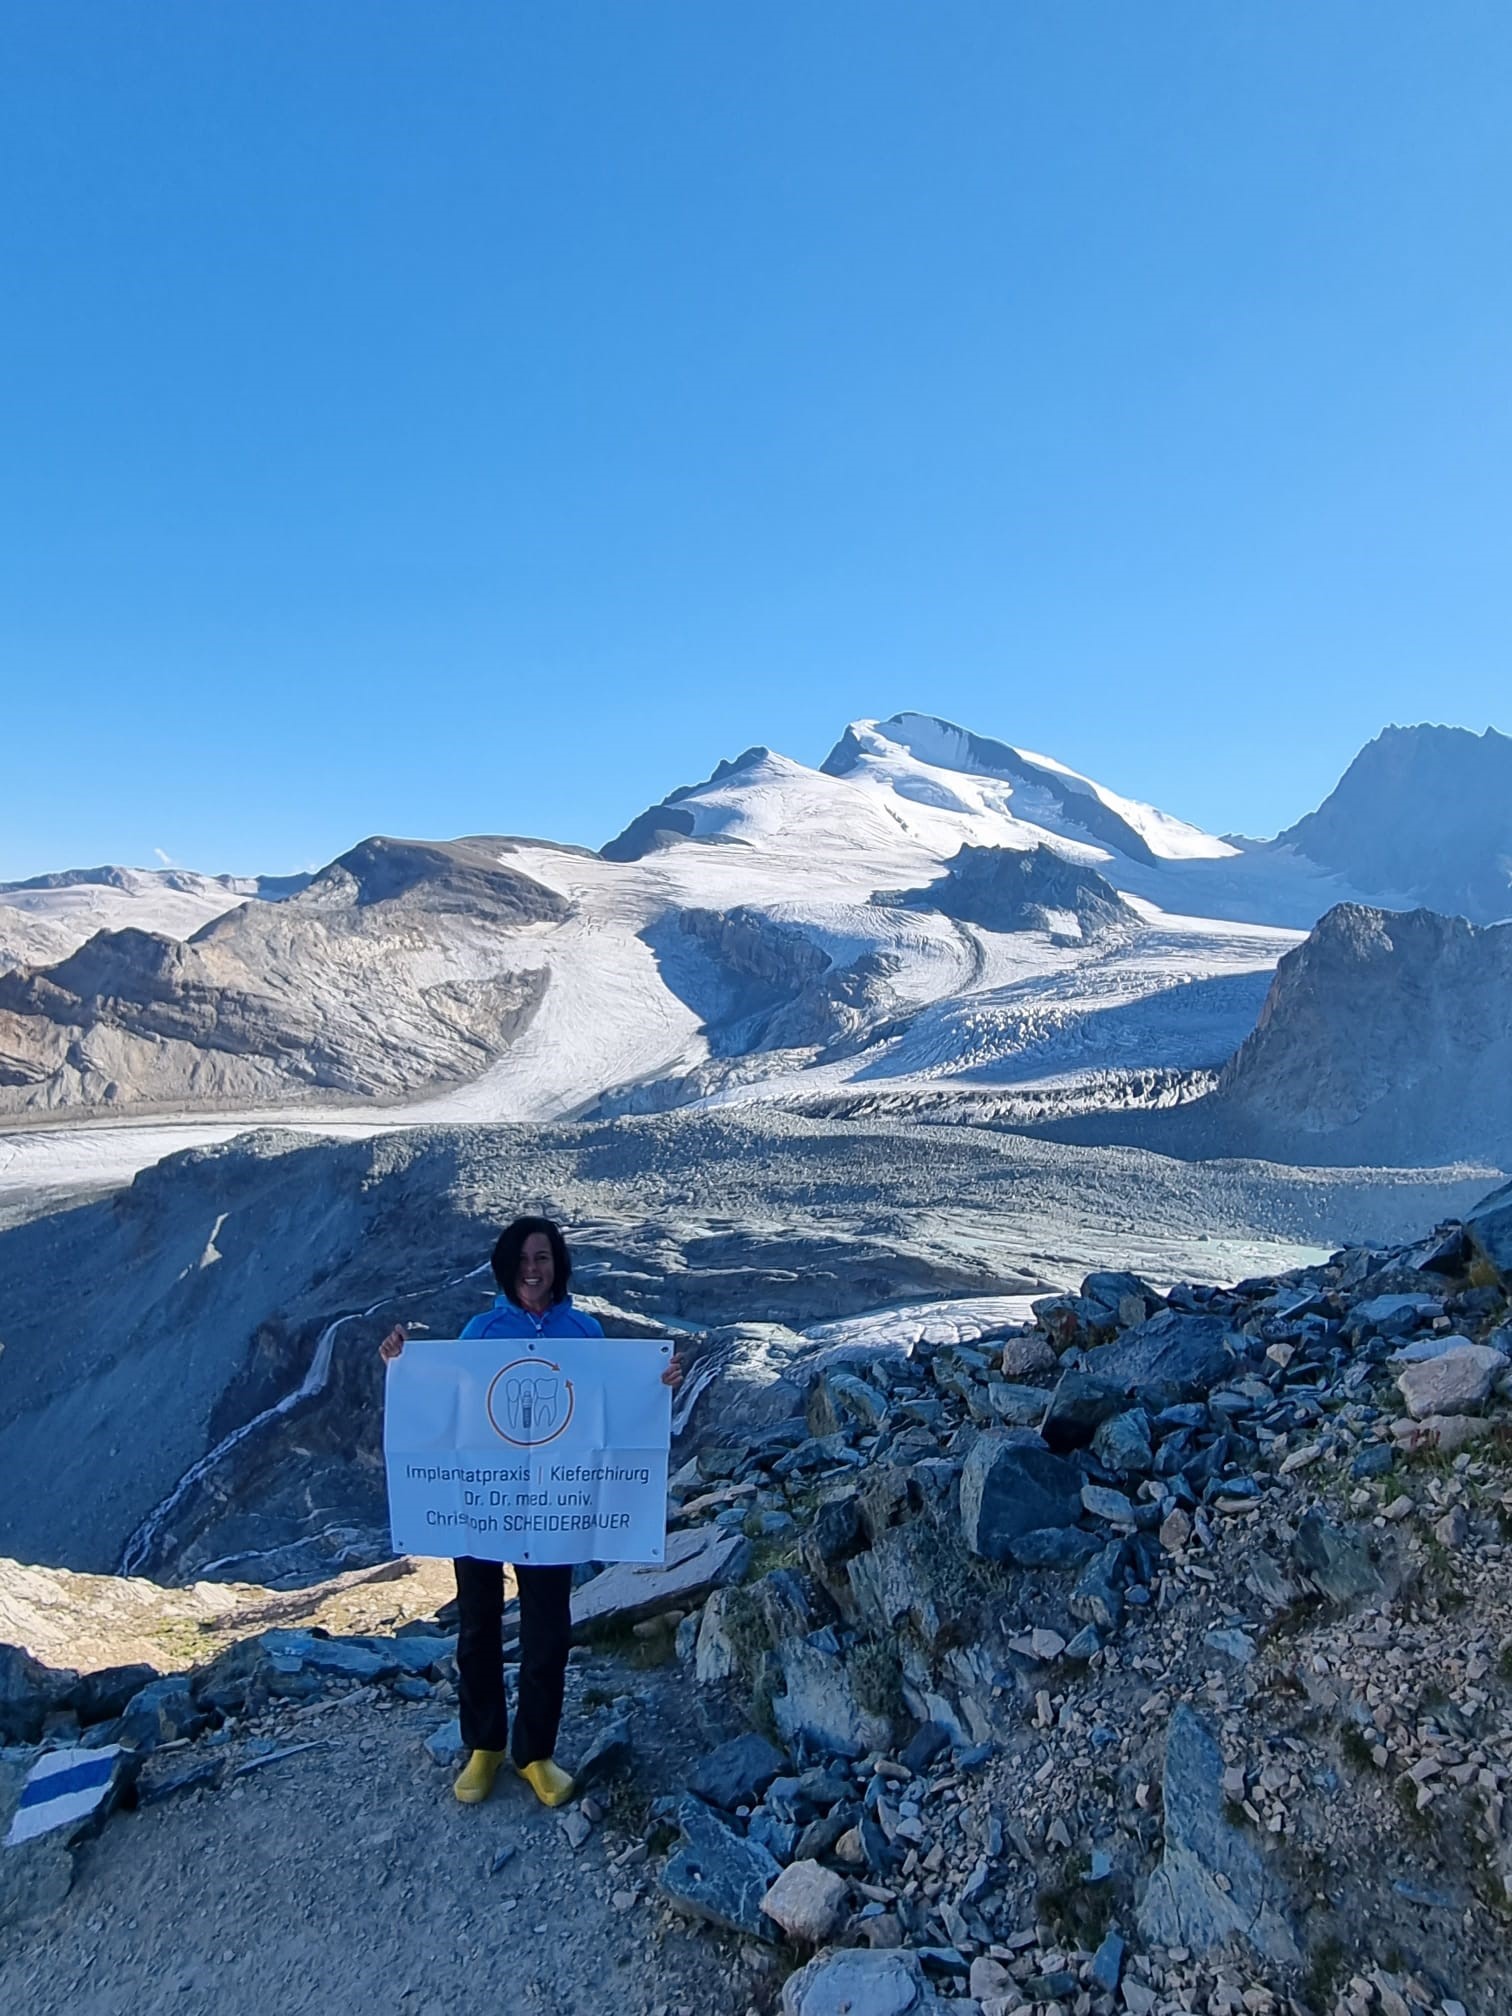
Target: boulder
<point>1448,1433</point>
<point>606,1756</point>
<point>1171,1358</point>
<point>1422,1349</point>
<point>1122,1444</point>
<point>1053,1547</point>
<point>929,1741</point>
<point>839,1402</point>
<point>1097,1598</point>
<point>1078,1408</point>
<point>836,1532</point>
<point>291,1665</point>
<point>101,1696</point>
<point>1022,1355</point>
<point>903,1579</point>
<point>1009,1489</point>
<point>1107,1964</point>
<point>865,1982</point>
<point>1130,1299</point>
<point>68,1793</point>
<point>1489,1228</point>
<point>819,1705</point>
<point>714,1655</point>
<point>737,1773</point>
<point>699,1559</point>
<point>419,1654</point>
<point>782,1603</point>
<point>1390,1315</point>
<point>1212,1884</point>
<point>1336,1560</point>
<point>718,1874</point>
<point>1015,1406</point>
<point>1459,1382</point>
<point>808,1902</point>
<point>29,1692</point>
<point>1074,1321</point>
<point>445,1745</point>
<point>164,1711</point>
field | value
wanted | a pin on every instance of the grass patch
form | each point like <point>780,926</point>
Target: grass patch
<point>776,1550</point>
<point>1075,1912</point>
<point>1356,1748</point>
<point>876,1674</point>
<point>1327,1967</point>
<point>185,1642</point>
<point>618,1640</point>
<point>627,1804</point>
<point>1405,1793</point>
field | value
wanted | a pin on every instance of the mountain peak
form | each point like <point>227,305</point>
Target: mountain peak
<point>914,752</point>
<point>1422,816</point>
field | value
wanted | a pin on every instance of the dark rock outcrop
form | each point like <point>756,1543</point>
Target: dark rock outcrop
<point>1031,889</point>
<point>1213,1883</point>
<point>1386,1037</point>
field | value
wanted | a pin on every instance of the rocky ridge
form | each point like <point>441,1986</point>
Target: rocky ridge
<point>1385,1035</point>
<point>1025,889</point>
<point>1423,815</point>
<point>1154,1659</point>
<point>391,967</point>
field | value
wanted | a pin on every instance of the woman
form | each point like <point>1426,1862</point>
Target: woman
<point>532,1268</point>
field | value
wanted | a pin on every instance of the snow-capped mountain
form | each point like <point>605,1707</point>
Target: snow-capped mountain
<point>928,762</point>
<point>928,909</point>
<point>1422,816</point>
<point>44,919</point>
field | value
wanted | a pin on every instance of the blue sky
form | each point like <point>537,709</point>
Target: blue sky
<point>456,418</point>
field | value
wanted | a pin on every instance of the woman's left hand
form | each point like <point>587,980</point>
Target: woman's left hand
<point>673,1376</point>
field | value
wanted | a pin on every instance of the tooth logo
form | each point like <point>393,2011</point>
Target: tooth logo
<point>529,1402</point>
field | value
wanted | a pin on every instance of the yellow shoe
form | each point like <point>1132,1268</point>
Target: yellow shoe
<point>547,1780</point>
<point>476,1781</point>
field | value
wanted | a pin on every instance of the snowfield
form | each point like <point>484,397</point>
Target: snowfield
<point>768,935</point>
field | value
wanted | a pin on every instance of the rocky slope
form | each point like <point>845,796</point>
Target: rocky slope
<point>395,966</point>
<point>1423,816</point>
<point>188,1376</point>
<point>1154,1659</point>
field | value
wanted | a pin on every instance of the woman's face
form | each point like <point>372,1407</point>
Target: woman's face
<point>537,1274</point>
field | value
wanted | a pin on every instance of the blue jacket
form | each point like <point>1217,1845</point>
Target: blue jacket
<point>508,1319</point>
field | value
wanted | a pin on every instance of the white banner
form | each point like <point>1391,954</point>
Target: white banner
<point>548,1450</point>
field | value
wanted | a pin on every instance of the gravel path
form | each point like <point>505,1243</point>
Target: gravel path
<point>348,1878</point>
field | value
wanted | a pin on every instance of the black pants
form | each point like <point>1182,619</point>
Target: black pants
<point>545,1640</point>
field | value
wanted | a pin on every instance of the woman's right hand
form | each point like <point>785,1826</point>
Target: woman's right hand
<point>393,1344</point>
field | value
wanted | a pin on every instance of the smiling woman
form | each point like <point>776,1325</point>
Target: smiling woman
<point>533,1270</point>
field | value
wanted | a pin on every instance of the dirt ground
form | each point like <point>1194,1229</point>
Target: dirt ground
<point>348,1878</point>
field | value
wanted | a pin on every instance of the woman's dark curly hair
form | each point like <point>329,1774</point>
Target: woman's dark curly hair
<point>511,1245</point>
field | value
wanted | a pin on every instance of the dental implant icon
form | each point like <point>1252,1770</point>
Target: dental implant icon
<point>529,1402</point>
